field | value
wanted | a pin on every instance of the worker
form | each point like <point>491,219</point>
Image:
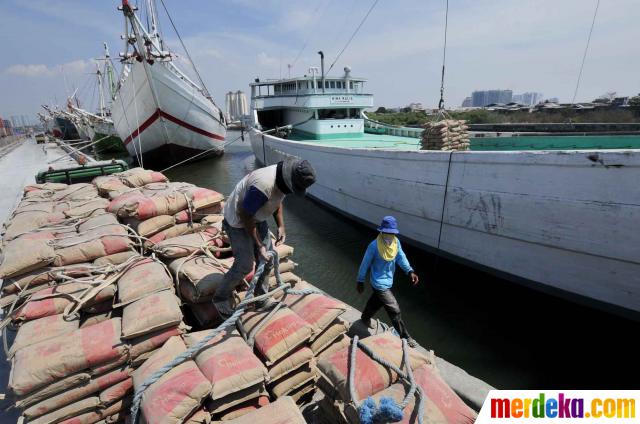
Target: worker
<point>380,260</point>
<point>255,198</point>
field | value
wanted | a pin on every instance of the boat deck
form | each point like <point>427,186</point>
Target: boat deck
<point>528,142</point>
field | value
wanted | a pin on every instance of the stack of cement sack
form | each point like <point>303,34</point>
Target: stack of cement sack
<point>198,264</point>
<point>157,209</point>
<point>87,308</point>
<point>372,379</point>
<point>447,134</point>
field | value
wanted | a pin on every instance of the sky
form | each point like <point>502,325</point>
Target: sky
<point>49,46</point>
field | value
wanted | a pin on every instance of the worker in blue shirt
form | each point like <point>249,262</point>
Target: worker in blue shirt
<point>380,260</point>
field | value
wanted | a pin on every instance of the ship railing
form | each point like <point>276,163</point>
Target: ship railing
<point>388,129</point>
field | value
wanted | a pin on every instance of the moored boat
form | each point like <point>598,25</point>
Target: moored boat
<point>561,221</point>
<point>160,114</point>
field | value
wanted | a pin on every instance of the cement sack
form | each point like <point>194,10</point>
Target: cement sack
<point>68,397</point>
<point>21,256</point>
<point>151,313</point>
<point>174,231</point>
<point>116,258</point>
<point>143,207</point>
<point>51,390</point>
<point>290,363</point>
<point>283,411</point>
<point>232,400</point>
<point>199,417</point>
<point>152,341</point>
<point>45,186</point>
<point>69,411</point>
<point>371,377</point>
<point>54,300</point>
<point>50,360</point>
<point>35,331</point>
<point>113,413</point>
<point>90,250</point>
<point>42,276</point>
<point>340,343</point>
<point>149,227</point>
<point>317,309</point>
<point>198,215</point>
<point>329,335</point>
<point>178,247</point>
<point>301,392</point>
<point>243,409</point>
<point>198,277</point>
<point>25,222</point>
<point>177,394</point>
<point>107,185</point>
<point>137,177</point>
<point>116,392</point>
<point>228,363</point>
<point>441,404</point>
<point>145,277</point>
<point>93,319</point>
<point>97,221</point>
<point>204,198</point>
<point>215,219</point>
<point>87,209</point>
<point>278,336</point>
<point>294,380</point>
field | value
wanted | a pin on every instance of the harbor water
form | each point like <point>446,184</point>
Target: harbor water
<point>503,333</point>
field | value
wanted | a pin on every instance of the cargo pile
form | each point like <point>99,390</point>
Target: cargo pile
<point>107,283</point>
<point>448,134</point>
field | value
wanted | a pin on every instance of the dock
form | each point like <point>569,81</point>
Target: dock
<point>17,169</point>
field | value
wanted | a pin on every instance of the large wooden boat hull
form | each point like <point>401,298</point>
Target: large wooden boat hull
<point>561,221</point>
<point>154,108</point>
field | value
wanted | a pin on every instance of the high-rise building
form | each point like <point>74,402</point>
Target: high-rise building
<point>467,102</point>
<point>236,105</point>
<point>486,97</point>
<point>531,98</point>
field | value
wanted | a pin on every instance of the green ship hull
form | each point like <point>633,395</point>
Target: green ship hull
<point>110,145</point>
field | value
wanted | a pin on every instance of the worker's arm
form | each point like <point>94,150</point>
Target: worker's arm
<point>253,200</point>
<point>364,267</point>
<point>403,263</point>
<point>279,217</point>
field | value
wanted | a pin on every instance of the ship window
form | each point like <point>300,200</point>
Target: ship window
<point>333,84</point>
<point>326,84</point>
<point>351,85</point>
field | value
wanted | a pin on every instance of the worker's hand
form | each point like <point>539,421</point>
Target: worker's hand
<point>414,278</point>
<point>360,287</point>
<point>265,254</point>
<point>282,236</point>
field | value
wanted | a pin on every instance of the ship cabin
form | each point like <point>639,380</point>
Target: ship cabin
<point>316,107</point>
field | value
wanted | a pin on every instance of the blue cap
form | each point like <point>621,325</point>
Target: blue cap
<point>389,225</point>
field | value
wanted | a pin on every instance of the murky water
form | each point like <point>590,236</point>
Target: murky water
<point>505,334</point>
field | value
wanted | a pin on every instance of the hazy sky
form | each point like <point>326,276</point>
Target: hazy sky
<point>523,45</point>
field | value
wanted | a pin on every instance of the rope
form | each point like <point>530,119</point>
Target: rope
<point>388,411</point>
<point>202,153</point>
<point>204,88</point>
<point>444,56</point>
<point>354,34</point>
<point>586,49</point>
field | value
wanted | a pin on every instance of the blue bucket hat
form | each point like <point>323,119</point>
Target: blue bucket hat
<point>389,225</point>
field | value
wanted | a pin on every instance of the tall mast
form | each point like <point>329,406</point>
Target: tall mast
<point>100,91</point>
<point>151,10</point>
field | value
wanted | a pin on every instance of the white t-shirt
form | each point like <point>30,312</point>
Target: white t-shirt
<point>264,181</point>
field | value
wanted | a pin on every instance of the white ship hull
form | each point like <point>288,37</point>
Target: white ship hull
<point>561,221</point>
<point>155,110</point>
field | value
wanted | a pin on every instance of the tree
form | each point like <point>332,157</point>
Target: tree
<point>634,102</point>
<point>381,109</point>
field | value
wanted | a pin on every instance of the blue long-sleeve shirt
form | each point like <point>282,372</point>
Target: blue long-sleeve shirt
<point>381,271</point>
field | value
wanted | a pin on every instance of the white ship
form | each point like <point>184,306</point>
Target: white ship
<point>160,114</point>
<point>562,221</point>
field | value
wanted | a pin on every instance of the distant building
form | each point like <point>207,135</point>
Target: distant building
<point>553,100</point>
<point>236,105</point>
<point>8,127</point>
<point>487,97</point>
<point>531,99</point>
<point>517,98</point>
<point>416,107</point>
<point>467,102</point>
